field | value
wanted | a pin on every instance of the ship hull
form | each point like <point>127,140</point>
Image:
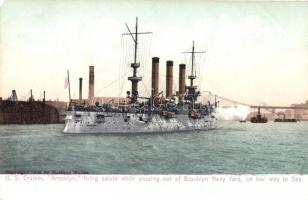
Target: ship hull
<point>103,122</point>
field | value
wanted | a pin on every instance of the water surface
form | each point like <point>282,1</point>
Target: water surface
<point>234,148</point>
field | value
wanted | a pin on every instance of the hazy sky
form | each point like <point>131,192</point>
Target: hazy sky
<point>255,52</point>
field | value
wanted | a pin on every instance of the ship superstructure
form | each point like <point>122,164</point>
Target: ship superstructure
<point>158,112</point>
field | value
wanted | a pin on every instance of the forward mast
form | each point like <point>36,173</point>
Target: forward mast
<point>192,89</point>
<point>135,65</point>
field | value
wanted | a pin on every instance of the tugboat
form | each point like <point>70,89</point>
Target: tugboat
<point>284,119</point>
<point>173,112</point>
<point>258,118</point>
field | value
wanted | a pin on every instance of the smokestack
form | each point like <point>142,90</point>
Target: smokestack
<point>80,88</point>
<point>31,96</point>
<point>182,81</point>
<point>155,75</point>
<point>44,97</point>
<point>91,82</point>
<point>169,78</point>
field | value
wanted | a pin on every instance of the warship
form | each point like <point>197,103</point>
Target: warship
<point>157,113</point>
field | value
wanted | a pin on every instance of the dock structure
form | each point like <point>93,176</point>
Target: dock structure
<point>14,111</point>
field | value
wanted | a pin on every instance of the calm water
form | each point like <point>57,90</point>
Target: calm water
<point>235,148</point>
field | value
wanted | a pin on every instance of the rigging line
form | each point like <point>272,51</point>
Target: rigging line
<point>144,59</point>
<point>143,48</point>
<point>121,65</point>
<point>121,91</point>
<point>109,84</point>
<point>145,88</point>
<point>126,62</point>
<point>146,48</point>
<point>121,79</point>
<point>143,52</point>
<point>126,51</point>
<point>140,50</point>
<point>146,56</point>
<point>123,53</point>
<point>149,51</point>
<point>143,56</point>
<point>121,61</point>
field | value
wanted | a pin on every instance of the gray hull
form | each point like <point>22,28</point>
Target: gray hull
<point>104,122</point>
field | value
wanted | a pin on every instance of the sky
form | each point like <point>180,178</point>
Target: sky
<point>256,52</point>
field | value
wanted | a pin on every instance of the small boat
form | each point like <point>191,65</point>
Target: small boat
<point>258,118</point>
<point>284,119</point>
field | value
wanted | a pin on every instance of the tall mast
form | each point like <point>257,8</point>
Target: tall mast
<point>192,94</point>
<point>136,40</point>
<point>192,64</point>
<point>135,79</point>
<point>69,86</point>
